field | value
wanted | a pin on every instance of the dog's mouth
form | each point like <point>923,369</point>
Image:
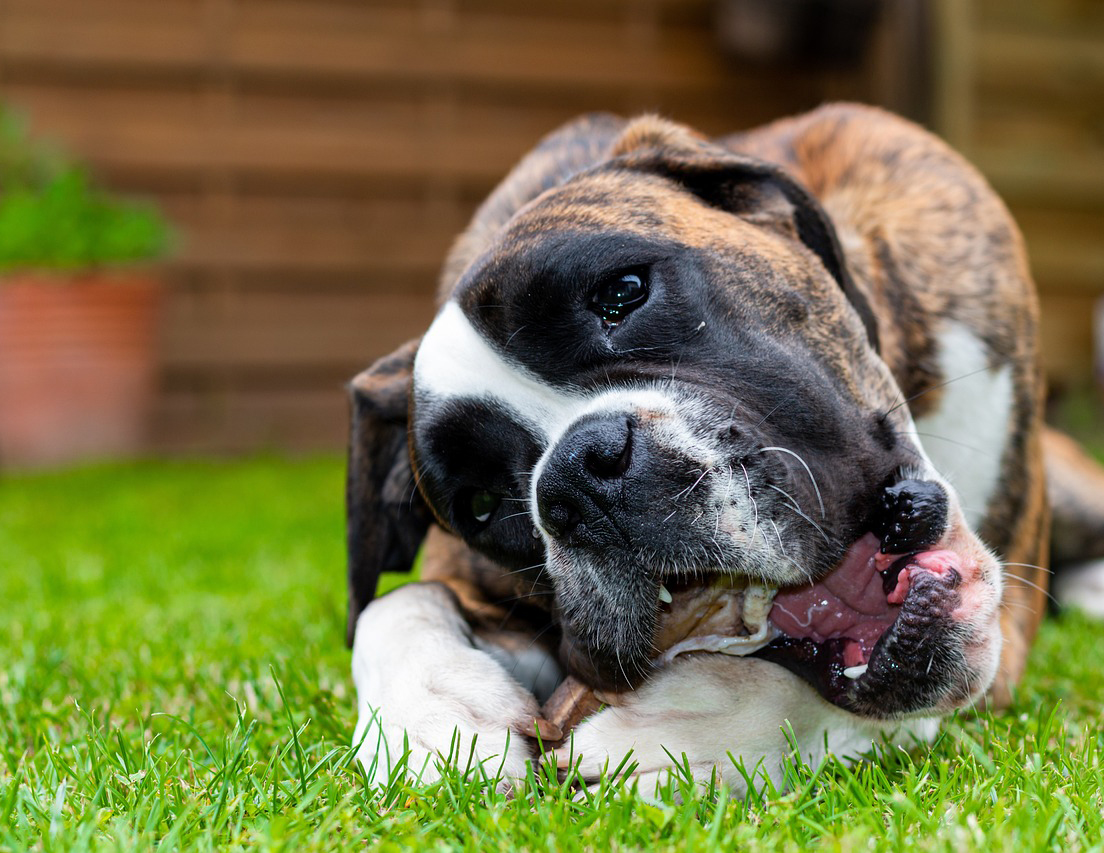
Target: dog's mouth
<point>834,632</point>
<point>899,625</point>
<point>856,635</point>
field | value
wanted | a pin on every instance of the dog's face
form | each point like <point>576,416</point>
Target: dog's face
<point>659,372</point>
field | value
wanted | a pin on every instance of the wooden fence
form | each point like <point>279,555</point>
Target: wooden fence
<point>1022,94</point>
<point>319,155</point>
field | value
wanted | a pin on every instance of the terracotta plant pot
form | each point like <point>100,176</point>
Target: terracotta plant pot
<point>76,365</point>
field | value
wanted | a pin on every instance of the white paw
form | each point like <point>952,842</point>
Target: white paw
<point>1082,586</point>
<point>697,712</point>
<point>426,696</point>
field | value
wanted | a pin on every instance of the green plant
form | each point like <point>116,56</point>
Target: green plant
<point>53,217</point>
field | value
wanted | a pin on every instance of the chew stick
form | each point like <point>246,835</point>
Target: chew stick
<point>568,705</point>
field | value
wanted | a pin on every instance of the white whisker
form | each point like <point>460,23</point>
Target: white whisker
<point>755,506</point>
<point>796,508</point>
<point>816,488</point>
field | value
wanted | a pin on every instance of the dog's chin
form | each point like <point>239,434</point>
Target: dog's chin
<point>602,666</point>
<point>608,627</point>
<point>881,635</point>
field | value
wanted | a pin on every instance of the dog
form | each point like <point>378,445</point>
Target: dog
<point>802,360</point>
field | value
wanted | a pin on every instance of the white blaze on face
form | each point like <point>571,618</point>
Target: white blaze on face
<point>455,361</point>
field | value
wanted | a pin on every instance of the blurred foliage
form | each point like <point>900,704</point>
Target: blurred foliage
<point>52,216</point>
<point>1078,410</point>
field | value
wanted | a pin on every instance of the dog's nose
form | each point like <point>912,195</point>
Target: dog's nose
<point>581,480</point>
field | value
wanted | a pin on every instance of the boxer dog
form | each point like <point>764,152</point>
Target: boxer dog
<point>800,361</point>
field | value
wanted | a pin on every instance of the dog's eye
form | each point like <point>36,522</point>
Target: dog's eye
<point>483,504</point>
<point>615,297</point>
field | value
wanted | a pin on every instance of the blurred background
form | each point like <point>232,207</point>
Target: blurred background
<point>316,157</point>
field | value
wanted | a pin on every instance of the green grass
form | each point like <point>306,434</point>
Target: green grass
<point>153,616</point>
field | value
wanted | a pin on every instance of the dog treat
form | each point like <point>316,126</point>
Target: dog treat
<point>568,705</point>
<point>728,616</point>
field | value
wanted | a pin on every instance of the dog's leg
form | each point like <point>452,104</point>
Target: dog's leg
<point>1076,486</point>
<point>710,711</point>
<point>424,687</point>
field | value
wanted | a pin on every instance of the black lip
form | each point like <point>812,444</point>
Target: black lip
<point>820,664</point>
<point>911,667</point>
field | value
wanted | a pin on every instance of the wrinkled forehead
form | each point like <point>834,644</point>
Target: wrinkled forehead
<point>516,329</point>
<point>606,199</point>
<point>618,205</point>
<point>565,232</point>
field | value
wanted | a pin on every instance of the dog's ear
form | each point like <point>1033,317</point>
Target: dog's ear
<point>753,189</point>
<point>386,517</point>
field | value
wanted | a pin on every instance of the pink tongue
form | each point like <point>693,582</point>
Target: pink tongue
<point>849,603</point>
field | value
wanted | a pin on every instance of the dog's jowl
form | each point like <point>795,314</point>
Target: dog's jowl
<point>742,434</point>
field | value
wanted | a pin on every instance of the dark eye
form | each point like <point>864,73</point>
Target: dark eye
<point>615,297</point>
<point>483,504</point>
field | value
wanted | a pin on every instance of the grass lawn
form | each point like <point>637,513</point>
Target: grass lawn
<point>173,672</point>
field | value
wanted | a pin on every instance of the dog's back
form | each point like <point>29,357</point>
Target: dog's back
<point>883,190</point>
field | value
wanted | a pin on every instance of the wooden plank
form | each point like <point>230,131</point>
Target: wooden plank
<point>239,420</point>
<point>953,71</point>
<point>1024,60</point>
<point>133,134</point>
<point>117,33</point>
<point>1066,331</point>
<point>1043,175</point>
<point>1056,223</point>
<point>520,51</point>
<point>189,110</point>
<point>1070,16</point>
<point>1065,268</point>
<point>354,40</point>
<point>217,330</point>
<point>1053,129</point>
<point>173,130</point>
<point>1065,248</point>
<point>1039,90</point>
<point>319,234</point>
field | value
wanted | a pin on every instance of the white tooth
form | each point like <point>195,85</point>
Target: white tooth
<point>664,594</point>
<point>855,671</point>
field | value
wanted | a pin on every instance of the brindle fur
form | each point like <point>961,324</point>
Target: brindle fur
<point>923,238</point>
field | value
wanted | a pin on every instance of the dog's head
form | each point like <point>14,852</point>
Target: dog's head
<point>658,371</point>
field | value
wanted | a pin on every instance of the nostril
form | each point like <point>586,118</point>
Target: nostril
<point>583,485</point>
<point>610,458</point>
<point>729,431</point>
<point>560,517</point>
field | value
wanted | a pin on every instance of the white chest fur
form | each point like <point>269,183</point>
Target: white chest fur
<point>965,437</point>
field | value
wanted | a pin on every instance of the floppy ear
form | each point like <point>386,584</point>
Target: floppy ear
<point>386,517</point>
<point>751,188</point>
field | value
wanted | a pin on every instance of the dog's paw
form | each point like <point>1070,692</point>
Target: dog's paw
<point>426,696</point>
<point>738,717</point>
